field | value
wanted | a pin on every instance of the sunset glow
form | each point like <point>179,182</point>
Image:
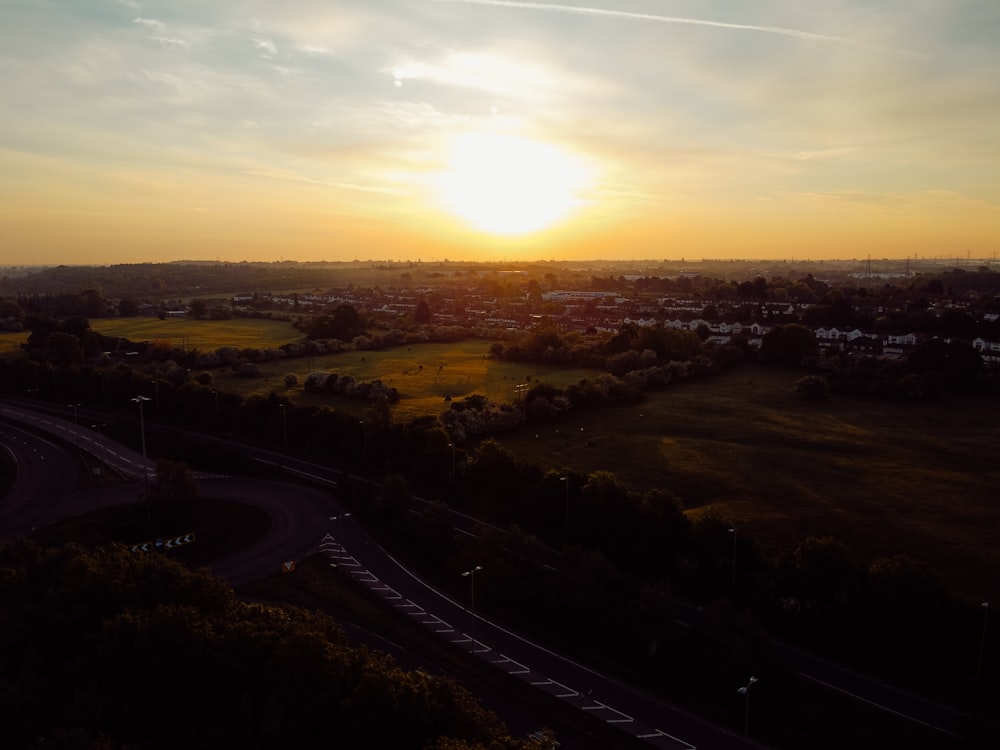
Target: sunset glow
<point>148,130</point>
<point>507,185</point>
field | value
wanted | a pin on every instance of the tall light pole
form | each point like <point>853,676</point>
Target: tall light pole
<point>566,480</point>
<point>745,692</point>
<point>284,426</point>
<point>471,575</point>
<point>341,517</point>
<point>142,433</point>
<point>452,446</point>
<point>364,443</point>
<point>733,532</point>
<point>982,639</point>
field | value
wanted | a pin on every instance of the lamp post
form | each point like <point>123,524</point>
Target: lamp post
<point>566,480</point>
<point>364,443</point>
<point>471,575</point>
<point>284,426</point>
<point>218,425</point>
<point>745,692</point>
<point>982,639</point>
<point>142,433</point>
<point>340,517</point>
<point>733,532</point>
<point>452,446</point>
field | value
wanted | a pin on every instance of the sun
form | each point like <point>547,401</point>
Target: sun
<point>509,185</point>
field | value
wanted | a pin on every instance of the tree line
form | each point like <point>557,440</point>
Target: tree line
<point>109,649</point>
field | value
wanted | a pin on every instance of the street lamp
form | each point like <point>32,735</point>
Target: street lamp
<point>284,426</point>
<point>566,480</point>
<point>471,575</point>
<point>364,443</point>
<point>142,432</point>
<point>452,446</point>
<point>982,639</point>
<point>745,692</point>
<point>733,532</point>
<point>342,532</point>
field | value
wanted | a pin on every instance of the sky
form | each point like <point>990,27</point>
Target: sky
<point>141,130</point>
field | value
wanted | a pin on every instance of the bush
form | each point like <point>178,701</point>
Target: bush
<point>811,387</point>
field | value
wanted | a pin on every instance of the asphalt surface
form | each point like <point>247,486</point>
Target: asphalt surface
<point>307,520</point>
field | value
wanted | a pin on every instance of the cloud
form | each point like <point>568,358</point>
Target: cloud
<point>150,23</point>
<point>823,153</point>
<point>656,18</point>
<point>265,47</point>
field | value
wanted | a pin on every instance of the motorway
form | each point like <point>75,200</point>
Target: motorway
<point>306,520</point>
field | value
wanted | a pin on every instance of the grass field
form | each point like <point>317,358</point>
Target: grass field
<point>424,375</point>
<point>884,478</point>
<point>10,343</point>
<point>203,335</point>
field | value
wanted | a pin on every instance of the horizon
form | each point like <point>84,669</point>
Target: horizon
<point>499,131</point>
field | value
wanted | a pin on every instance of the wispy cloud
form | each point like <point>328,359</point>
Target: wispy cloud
<point>656,18</point>
<point>150,23</point>
<point>824,153</point>
<point>266,47</point>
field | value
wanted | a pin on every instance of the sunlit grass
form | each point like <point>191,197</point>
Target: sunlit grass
<point>10,343</point>
<point>203,335</point>
<point>425,375</point>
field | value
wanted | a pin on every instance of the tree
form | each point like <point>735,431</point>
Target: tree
<point>811,387</point>
<point>788,344</point>
<point>422,314</point>
<point>175,483</point>
<point>198,309</point>
<point>128,307</point>
<point>346,323</point>
<point>63,349</point>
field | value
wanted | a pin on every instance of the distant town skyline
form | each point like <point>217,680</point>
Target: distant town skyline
<point>147,131</point>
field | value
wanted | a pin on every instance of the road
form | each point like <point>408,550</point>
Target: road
<point>306,520</point>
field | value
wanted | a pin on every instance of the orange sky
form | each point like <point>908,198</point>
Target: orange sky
<point>154,131</point>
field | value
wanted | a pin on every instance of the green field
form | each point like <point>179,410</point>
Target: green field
<point>884,478</point>
<point>203,335</point>
<point>424,375</point>
<point>10,343</point>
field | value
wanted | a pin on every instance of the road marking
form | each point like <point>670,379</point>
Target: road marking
<point>877,705</point>
<point>507,660</point>
<point>661,733</point>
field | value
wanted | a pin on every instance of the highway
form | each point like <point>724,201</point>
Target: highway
<point>306,520</point>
